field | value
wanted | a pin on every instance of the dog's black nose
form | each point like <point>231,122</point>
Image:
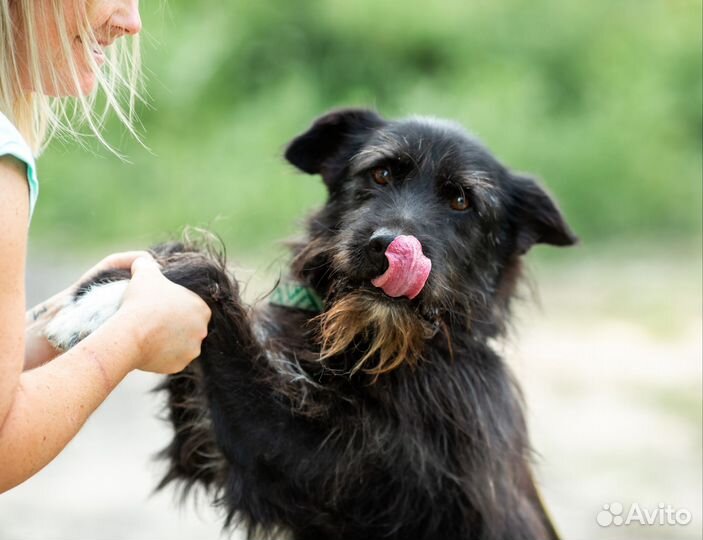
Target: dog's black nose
<point>380,242</point>
<point>376,251</point>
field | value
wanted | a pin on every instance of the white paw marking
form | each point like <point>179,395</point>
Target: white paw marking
<point>81,317</point>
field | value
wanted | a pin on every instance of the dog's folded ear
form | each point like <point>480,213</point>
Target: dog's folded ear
<point>538,219</point>
<point>327,135</point>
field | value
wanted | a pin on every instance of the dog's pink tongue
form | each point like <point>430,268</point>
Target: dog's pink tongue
<point>408,268</point>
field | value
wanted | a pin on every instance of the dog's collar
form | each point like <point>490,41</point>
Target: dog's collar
<point>293,294</point>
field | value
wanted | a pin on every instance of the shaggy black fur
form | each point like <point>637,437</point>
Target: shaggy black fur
<point>291,433</point>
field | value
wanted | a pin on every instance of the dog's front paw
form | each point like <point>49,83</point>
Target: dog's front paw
<point>85,313</point>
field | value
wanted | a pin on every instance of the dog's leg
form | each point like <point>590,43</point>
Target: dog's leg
<point>84,313</point>
<point>228,423</point>
<point>96,300</point>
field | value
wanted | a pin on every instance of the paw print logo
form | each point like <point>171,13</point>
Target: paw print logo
<point>610,515</point>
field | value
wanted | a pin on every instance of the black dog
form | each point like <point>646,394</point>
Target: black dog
<point>364,401</point>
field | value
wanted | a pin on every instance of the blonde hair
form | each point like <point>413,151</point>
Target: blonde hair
<point>39,116</point>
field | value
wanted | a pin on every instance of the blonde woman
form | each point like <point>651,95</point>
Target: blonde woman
<point>51,50</point>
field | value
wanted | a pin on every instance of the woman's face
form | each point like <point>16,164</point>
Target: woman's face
<point>108,20</point>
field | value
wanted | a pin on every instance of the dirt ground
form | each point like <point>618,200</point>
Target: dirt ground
<point>610,363</point>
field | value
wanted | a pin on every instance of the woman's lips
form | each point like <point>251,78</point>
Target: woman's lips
<point>99,56</point>
<point>98,52</point>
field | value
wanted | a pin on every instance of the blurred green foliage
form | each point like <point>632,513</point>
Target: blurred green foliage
<point>602,99</point>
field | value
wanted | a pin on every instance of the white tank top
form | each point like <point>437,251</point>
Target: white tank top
<point>13,144</point>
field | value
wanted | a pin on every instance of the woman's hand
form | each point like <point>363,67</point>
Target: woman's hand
<point>169,321</point>
<point>44,312</point>
<point>116,261</point>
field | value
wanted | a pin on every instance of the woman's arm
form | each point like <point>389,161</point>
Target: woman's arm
<point>14,221</point>
<point>52,402</point>
<point>158,328</point>
<point>38,350</point>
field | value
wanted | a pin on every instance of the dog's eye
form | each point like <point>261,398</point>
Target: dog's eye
<point>457,197</point>
<point>381,175</point>
<point>460,202</point>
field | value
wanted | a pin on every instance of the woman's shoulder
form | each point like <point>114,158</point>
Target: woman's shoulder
<point>12,143</point>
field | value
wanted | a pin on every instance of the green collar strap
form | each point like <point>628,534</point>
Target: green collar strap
<point>295,295</point>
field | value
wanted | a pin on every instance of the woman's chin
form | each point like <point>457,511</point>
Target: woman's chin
<point>86,86</point>
<point>88,83</point>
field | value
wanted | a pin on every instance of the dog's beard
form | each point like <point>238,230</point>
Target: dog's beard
<point>383,335</point>
<point>391,335</point>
